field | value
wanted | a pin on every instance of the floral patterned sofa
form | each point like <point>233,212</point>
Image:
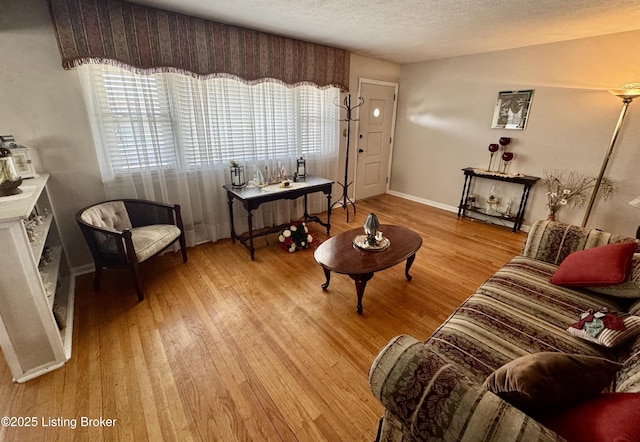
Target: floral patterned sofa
<point>434,390</point>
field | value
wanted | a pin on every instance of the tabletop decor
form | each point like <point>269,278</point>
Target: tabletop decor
<point>570,189</point>
<point>295,237</point>
<point>237,174</point>
<point>9,179</point>
<point>372,238</point>
<point>493,148</point>
<point>371,226</point>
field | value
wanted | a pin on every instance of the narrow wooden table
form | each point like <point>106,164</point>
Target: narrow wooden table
<point>252,197</point>
<point>340,255</point>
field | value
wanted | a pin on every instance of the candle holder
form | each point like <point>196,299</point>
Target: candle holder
<point>237,174</point>
<point>301,167</point>
<point>493,148</point>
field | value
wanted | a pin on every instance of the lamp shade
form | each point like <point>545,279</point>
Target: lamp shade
<point>628,91</point>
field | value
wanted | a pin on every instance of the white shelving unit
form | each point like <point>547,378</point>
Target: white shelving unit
<point>36,288</point>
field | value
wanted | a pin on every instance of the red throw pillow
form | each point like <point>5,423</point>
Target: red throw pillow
<point>606,417</point>
<point>596,266</point>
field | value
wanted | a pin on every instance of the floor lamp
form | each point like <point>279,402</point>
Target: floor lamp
<point>636,203</point>
<point>627,92</point>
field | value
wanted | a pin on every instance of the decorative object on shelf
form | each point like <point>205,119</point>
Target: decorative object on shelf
<point>471,201</point>
<point>344,198</point>
<point>512,109</point>
<point>506,158</point>
<point>295,237</point>
<point>237,174</point>
<point>627,92</point>
<point>301,167</point>
<point>493,201</point>
<point>8,142</point>
<point>22,161</point>
<point>504,141</point>
<point>567,188</point>
<point>9,179</point>
<point>508,209</point>
<point>259,180</point>
<point>493,148</point>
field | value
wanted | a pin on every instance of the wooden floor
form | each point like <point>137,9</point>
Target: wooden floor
<point>224,348</point>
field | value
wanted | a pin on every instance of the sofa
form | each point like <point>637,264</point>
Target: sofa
<point>438,389</point>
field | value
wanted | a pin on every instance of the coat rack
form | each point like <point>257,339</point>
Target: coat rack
<point>345,198</point>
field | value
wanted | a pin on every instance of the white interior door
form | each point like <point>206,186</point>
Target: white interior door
<point>375,137</point>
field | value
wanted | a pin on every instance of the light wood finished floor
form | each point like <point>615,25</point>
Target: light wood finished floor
<point>227,349</point>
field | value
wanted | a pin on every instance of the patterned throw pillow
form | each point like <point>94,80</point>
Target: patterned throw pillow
<point>611,338</point>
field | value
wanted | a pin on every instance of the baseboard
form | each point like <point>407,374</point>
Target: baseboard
<point>424,201</point>
<point>448,208</point>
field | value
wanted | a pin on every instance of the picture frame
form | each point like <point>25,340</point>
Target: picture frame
<point>23,163</point>
<point>512,109</point>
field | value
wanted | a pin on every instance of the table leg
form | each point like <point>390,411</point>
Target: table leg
<point>408,266</point>
<point>233,231</point>
<point>361,283</point>
<point>250,223</point>
<point>327,275</point>
<point>328,212</point>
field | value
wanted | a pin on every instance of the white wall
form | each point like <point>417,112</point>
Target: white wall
<point>43,107</point>
<point>446,107</point>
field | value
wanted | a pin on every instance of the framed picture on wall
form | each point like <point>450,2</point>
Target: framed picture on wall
<point>512,109</point>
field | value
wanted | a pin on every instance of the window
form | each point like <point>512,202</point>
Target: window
<point>174,121</point>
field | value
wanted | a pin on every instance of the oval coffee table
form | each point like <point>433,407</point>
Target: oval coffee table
<point>338,254</point>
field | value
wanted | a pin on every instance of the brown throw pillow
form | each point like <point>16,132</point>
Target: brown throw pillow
<point>542,381</point>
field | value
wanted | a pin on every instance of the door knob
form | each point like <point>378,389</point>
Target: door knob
<point>360,150</point>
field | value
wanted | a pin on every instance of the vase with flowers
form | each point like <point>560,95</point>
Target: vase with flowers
<point>295,237</point>
<point>566,188</point>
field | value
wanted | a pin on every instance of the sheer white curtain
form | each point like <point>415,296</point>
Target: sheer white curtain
<point>169,137</point>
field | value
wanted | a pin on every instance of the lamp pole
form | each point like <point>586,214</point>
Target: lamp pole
<point>627,93</point>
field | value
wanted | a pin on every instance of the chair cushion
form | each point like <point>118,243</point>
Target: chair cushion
<point>111,215</point>
<point>149,240</point>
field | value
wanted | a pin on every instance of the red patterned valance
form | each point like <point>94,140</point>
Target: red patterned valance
<point>140,37</point>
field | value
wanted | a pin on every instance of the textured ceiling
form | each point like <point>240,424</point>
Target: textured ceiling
<point>409,31</point>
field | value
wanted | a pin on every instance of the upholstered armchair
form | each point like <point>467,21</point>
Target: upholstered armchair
<point>124,233</point>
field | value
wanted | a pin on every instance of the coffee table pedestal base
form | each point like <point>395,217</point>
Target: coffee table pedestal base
<point>362,279</point>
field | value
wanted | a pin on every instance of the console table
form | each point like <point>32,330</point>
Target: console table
<point>525,180</point>
<point>252,197</point>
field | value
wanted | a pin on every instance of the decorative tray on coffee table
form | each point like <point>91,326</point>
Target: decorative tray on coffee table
<point>360,241</point>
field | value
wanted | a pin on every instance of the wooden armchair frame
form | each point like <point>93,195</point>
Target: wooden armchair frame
<point>115,249</point>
